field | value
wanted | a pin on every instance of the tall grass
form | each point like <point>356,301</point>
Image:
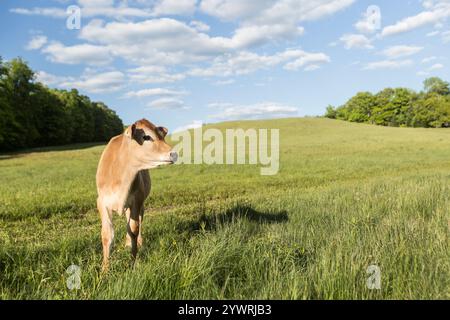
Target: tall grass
<point>347,196</point>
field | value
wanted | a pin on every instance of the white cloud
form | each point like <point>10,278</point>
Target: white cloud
<point>36,42</point>
<point>308,61</point>
<point>49,79</point>
<point>153,74</point>
<point>88,10</point>
<point>234,9</point>
<point>401,51</point>
<point>219,105</point>
<point>238,64</point>
<point>248,62</point>
<point>268,11</point>
<point>411,23</point>
<point>175,7</point>
<point>89,81</point>
<point>250,12</point>
<point>429,59</point>
<point>155,41</point>
<point>181,42</point>
<point>432,33</point>
<point>369,22</point>
<point>436,12</point>
<point>99,82</point>
<point>77,54</point>
<point>193,125</point>
<point>262,21</point>
<point>256,35</point>
<point>356,41</point>
<point>107,8</point>
<point>224,82</point>
<point>429,70</point>
<point>46,12</point>
<point>122,10</point>
<point>199,26</point>
<point>154,92</point>
<point>312,67</point>
<point>436,66</point>
<point>170,41</point>
<point>167,103</point>
<point>166,50</point>
<point>96,3</point>
<point>445,36</point>
<point>256,111</point>
<point>388,64</point>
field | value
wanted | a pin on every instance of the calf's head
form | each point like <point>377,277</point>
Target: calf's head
<point>147,146</point>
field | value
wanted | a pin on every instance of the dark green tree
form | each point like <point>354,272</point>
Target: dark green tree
<point>399,107</point>
<point>33,115</point>
<point>393,107</point>
<point>359,108</point>
<point>436,85</point>
<point>331,112</point>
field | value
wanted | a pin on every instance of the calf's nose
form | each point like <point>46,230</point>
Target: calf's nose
<point>173,156</point>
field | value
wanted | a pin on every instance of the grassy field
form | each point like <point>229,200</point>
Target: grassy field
<point>347,196</point>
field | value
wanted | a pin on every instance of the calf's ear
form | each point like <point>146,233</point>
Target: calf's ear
<point>131,131</point>
<point>163,131</point>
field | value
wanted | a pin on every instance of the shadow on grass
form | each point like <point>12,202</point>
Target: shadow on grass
<point>23,152</point>
<point>239,212</point>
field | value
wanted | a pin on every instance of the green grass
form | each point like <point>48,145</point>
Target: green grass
<point>347,196</point>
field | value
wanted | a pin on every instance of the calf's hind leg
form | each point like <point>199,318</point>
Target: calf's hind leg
<point>133,229</point>
<point>141,218</point>
<point>128,237</point>
<point>107,234</point>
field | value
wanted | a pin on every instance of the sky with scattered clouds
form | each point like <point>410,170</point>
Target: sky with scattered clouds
<point>183,62</point>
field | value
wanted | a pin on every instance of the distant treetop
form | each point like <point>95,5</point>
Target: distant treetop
<point>399,107</point>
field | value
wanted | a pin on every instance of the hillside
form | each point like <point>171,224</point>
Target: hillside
<point>347,196</point>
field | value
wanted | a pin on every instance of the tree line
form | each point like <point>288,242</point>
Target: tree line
<point>33,115</point>
<point>399,107</point>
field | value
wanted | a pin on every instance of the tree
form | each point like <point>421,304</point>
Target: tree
<point>436,85</point>
<point>5,114</point>
<point>433,111</point>
<point>359,108</point>
<point>399,107</point>
<point>331,112</point>
<point>33,115</point>
<point>393,107</point>
<point>17,85</point>
<point>52,118</point>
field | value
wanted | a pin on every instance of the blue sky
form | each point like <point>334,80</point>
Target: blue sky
<point>183,62</point>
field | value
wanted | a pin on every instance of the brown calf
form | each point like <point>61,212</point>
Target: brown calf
<point>123,180</point>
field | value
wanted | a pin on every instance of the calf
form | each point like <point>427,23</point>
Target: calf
<point>123,180</point>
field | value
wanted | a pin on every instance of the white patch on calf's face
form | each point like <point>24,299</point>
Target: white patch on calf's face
<point>151,133</point>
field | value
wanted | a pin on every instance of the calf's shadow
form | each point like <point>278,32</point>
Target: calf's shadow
<point>211,222</point>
